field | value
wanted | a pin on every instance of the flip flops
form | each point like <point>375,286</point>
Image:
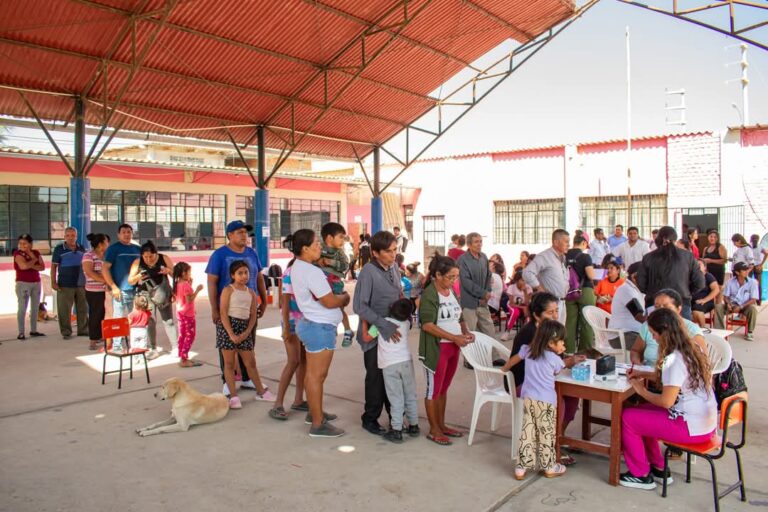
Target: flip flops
<point>441,440</point>
<point>303,406</point>
<point>452,433</point>
<point>278,413</point>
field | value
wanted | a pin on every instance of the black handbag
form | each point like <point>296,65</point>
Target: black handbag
<point>729,383</point>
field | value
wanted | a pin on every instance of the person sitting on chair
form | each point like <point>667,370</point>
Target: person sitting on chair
<point>739,298</point>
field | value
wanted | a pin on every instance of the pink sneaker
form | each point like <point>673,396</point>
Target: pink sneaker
<point>267,396</point>
<point>234,403</point>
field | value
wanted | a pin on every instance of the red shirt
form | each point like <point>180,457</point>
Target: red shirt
<point>138,318</point>
<point>184,307</point>
<point>455,253</point>
<point>29,275</point>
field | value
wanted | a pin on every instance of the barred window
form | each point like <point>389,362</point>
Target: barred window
<point>648,213</point>
<point>43,212</point>
<point>527,222</point>
<point>289,215</point>
<point>175,221</point>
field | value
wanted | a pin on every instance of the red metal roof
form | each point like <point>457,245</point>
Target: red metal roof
<point>204,64</point>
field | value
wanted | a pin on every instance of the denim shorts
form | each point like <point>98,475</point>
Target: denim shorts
<point>316,337</point>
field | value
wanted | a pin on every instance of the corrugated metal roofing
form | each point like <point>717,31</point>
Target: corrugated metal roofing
<point>211,63</point>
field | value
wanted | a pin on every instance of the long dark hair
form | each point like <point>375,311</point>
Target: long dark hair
<point>674,336</point>
<point>439,264</point>
<point>95,239</point>
<point>549,330</point>
<point>539,303</point>
<point>301,239</point>
<point>179,270</point>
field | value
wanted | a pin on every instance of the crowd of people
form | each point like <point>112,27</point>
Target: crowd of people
<point>657,292</point>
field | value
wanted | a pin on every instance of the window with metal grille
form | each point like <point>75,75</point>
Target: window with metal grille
<point>174,221</point>
<point>527,222</point>
<point>289,215</point>
<point>43,212</point>
<point>649,212</point>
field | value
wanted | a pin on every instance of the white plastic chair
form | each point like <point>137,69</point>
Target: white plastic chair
<point>490,385</point>
<point>720,353</point>
<point>598,320</point>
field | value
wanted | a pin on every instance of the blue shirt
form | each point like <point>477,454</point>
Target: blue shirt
<point>539,383</point>
<point>614,241</point>
<point>223,257</point>
<point>741,294</point>
<point>651,353</point>
<point>70,262</point>
<point>121,256</point>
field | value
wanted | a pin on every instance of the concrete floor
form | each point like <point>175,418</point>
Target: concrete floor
<point>68,443</point>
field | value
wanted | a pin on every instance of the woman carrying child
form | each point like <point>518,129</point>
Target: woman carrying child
<point>443,333</point>
<point>185,297</point>
<point>542,364</point>
<point>234,334</point>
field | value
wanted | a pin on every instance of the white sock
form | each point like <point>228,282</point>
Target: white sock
<point>226,389</point>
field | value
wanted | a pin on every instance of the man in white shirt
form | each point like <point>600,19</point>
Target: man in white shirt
<point>598,247</point>
<point>402,240</point>
<point>739,298</point>
<point>548,273</point>
<point>633,249</point>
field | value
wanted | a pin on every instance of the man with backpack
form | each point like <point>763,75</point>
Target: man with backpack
<point>548,273</point>
<point>581,293</point>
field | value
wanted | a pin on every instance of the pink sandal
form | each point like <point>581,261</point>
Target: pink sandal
<point>556,470</point>
<point>519,473</point>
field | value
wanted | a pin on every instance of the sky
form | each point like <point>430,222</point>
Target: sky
<point>574,90</point>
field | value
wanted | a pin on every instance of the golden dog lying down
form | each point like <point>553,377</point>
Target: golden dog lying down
<point>188,407</point>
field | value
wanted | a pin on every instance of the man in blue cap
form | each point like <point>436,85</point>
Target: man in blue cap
<point>219,278</point>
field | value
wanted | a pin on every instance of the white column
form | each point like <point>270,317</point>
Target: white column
<point>571,167</point>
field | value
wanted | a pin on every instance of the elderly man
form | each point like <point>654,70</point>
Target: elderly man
<point>617,238</point>
<point>598,247</point>
<point>68,280</point>
<point>739,298</point>
<point>548,273</point>
<point>219,278</point>
<point>475,283</point>
<point>633,249</point>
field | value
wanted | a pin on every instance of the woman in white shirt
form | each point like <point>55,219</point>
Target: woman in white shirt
<point>497,287</point>
<point>684,412</point>
<point>744,252</point>
<point>317,328</point>
<point>622,317</point>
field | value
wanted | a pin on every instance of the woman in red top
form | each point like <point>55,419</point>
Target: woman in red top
<point>606,288</point>
<point>693,239</point>
<point>27,263</point>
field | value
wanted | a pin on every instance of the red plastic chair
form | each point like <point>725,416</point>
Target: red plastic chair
<point>733,411</point>
<point>117,328</point>
<point>742,321</point>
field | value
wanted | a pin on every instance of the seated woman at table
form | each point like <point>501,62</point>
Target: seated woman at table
<point>703,301</point>
<point>622,317</point>
<point>646,351</point>
<point>606,288</point>
<point>684,412</point>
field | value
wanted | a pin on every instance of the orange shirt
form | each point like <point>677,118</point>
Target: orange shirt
<point>605,287</point>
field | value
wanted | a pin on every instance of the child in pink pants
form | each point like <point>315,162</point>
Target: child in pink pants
<point>185,297</point>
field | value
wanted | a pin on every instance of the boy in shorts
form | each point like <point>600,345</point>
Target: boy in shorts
<point>335,264</point>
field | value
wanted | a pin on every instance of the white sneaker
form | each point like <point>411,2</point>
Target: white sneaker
<point>248,384</point>
<point>225,390</point>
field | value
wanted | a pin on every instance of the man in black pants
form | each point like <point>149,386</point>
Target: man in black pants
<point>378,286</point>
<point>218,278</point>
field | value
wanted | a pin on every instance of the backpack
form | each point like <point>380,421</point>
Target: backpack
<point>574,284</point>
<point>730,382</point>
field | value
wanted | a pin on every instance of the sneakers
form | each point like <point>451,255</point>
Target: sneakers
<point>267,396</point>
<point>414,430</point>
<point>326,418</point>
<point>347,340</point>
<point>234,403</point>
<point>152,354</point>
<point>658,476</point>
<point>637,482</point>
<point>393,436</point>
<point>247,384</point>
<point>750,337</point>
<point>326,430</point>
<point>225,390</point>
<point>374,428</point>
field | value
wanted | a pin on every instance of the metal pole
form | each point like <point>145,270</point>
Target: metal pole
<point>629,134</point>
<point>377,209</point>
<point>261,204</point>
<point>744,84</point>
<point>79,185</point>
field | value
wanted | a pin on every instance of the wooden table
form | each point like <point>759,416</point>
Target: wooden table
<point>613,393</point>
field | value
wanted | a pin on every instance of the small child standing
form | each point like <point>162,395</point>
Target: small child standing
<point>185,297</point>
<point>542,364</point>
<point>334,263</point>
<point>138,320</point>
<point>396,365</point>
<point>234,334</point>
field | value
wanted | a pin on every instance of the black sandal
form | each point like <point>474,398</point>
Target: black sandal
<point>21,337</point>
<point>36,334</point>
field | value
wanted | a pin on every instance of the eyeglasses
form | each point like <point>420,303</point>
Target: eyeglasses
<point>451,278</point>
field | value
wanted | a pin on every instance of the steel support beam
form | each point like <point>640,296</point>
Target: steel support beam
<point>377,206</point>
<point>79,185</point>
<point>261,204</point>
<point>756,13</point>
<point>495,75</point>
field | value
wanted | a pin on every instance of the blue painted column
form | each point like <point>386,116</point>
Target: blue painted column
<point>377,206</point>
<point>79,185</point>
<point>80,207</point>
<point>261,224</point>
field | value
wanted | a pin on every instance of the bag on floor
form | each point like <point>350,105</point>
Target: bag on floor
<point>729,383</point>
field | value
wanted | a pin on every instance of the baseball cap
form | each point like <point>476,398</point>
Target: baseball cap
<point>238,224</point>
<point>740,266</point>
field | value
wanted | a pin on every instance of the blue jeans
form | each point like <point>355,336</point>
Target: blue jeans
<point>686,312</point>
<point>315,336</point>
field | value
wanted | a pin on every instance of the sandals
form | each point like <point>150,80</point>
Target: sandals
<point>567,460</point>
<point>519,473</point>
<point>36,334</point>
<point>452,433</point>
<point>303,406</point>
<point>441,440</point>
<point>21,337</point>
<point>278,413</point>
<point>189,363</point>
<point>555,471</point>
